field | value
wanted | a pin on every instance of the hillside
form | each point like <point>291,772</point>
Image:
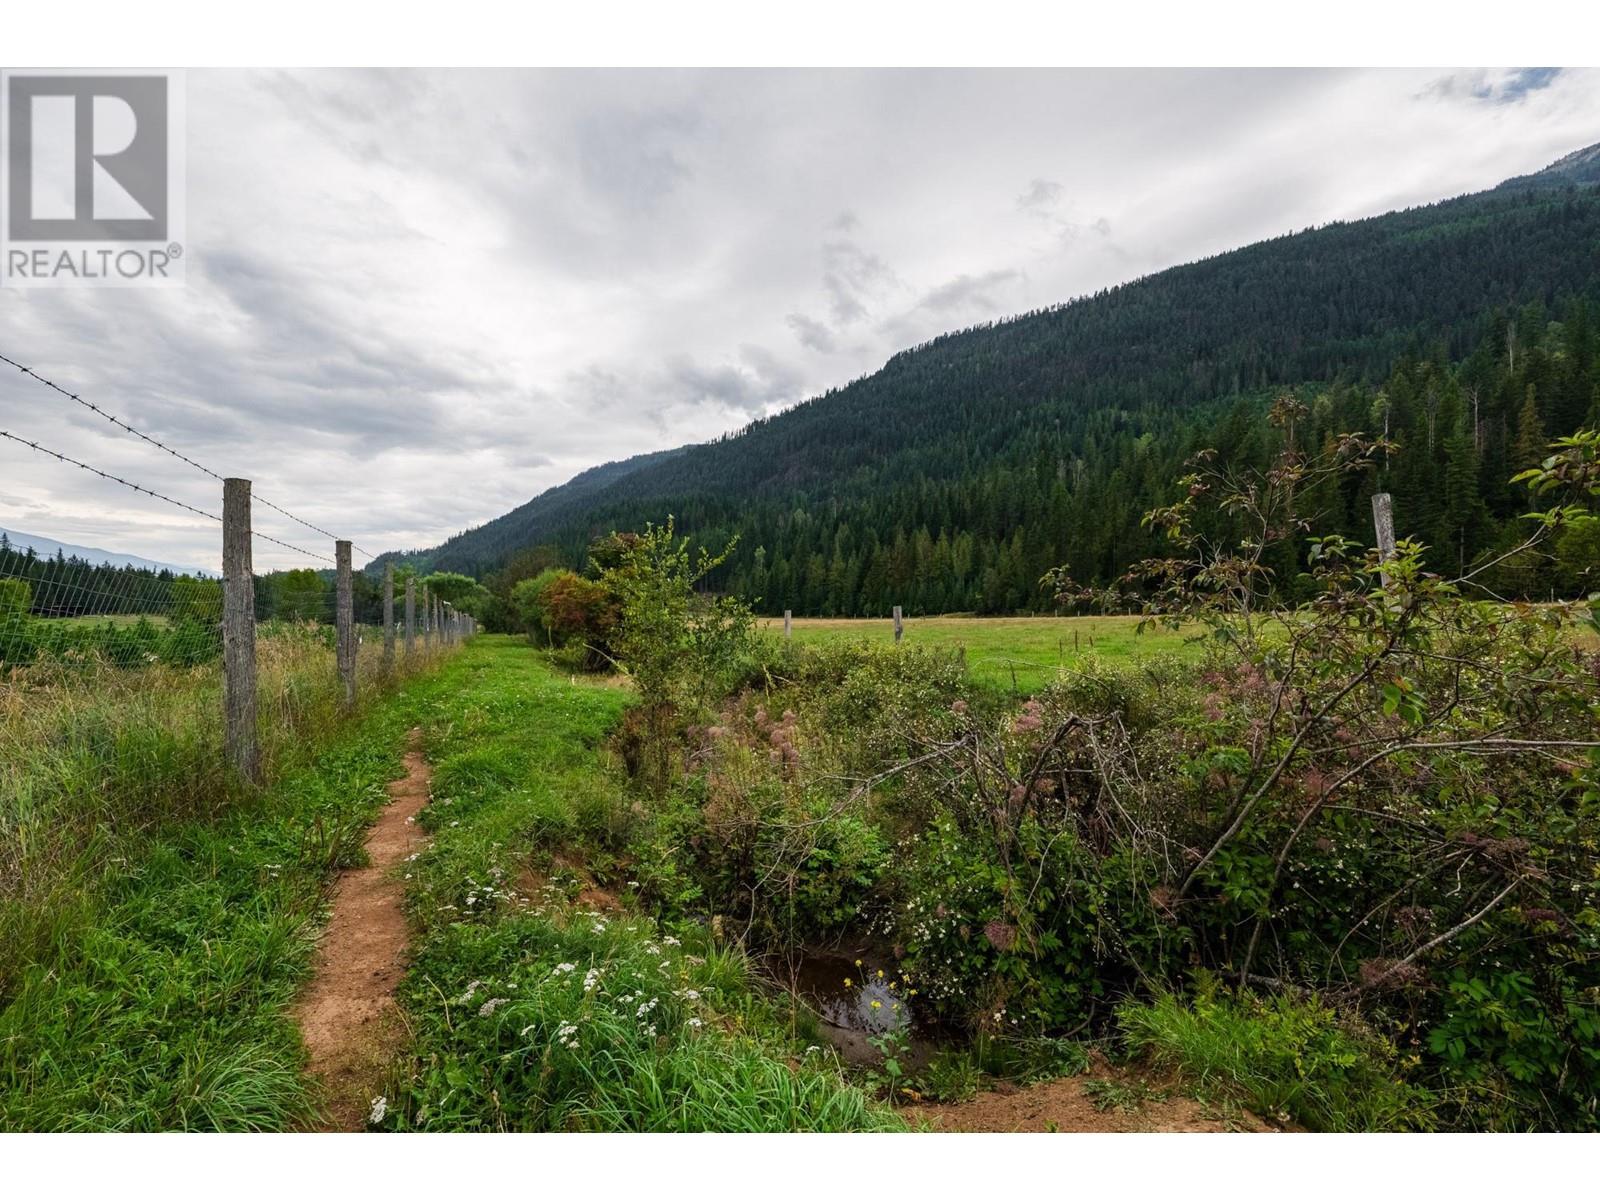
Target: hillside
<point>955,475</point>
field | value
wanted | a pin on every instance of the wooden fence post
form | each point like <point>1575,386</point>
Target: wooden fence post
<point>899,630</point>
<point>345,625</point>
<point>388,618</point>
<point>239,633</point>
<point>1383,522</point>
<point>427,620</point>
<point>411,616</point>
<point>788,624</point>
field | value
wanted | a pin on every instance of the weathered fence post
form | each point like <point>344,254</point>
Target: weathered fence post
<point>345,625</point>
<point>239,633</point>
<point>899,630</point>
<point>427,620</point>
<point>788,624</point>
<point>388,618</point>
<point>411,616</point>
<point>1383,522</point>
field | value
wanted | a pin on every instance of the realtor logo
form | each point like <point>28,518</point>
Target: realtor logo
<point>93,183</point>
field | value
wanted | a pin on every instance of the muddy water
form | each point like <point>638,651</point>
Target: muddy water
<point>853,1013</point>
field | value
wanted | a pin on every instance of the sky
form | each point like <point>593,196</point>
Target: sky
<point>415,300</point>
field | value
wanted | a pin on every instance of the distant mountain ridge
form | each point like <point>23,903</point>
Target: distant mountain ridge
<point>1002,449</point>
<point>503,535</point>
<point>1580,167</point>
<point>49,547</point>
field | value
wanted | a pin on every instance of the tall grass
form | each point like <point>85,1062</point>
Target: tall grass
<point>94,757</point>
<point>1286,1057</point>
<point>167,1006</point>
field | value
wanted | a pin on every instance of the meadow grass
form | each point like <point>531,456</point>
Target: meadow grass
<point>538,1001</point>
<point>164,1005</point>
<point>94,757</point>
<point>154,916</point>
<point>1007,653</point>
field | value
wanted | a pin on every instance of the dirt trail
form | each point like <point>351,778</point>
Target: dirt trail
<point>347,1015</point>
<point>1069,1106</point>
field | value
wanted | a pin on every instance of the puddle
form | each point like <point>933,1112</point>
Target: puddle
<point>873,1002</point>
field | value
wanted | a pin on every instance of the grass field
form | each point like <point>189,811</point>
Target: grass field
<point>99,619</point>
<point>1021,653</point>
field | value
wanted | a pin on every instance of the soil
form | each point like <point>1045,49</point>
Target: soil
<point>1068,1106</point>
<point>591,897</point>
<point>348,1017</point>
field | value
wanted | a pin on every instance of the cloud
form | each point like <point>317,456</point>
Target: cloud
<point>1040,193</point>
<point>966,292</point>
<point>1492,87</point>
<point>813,334</point>
<point>416,299</point>
<point>852,277</point>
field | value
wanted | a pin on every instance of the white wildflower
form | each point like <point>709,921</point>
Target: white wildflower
<point>488,1006</point>
<point>379,1110</point>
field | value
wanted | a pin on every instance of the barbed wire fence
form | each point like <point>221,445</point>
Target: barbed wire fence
<point>132,693</point>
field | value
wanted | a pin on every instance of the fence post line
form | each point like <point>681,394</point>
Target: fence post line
<point>899,630</point>
<point>239,633</point>
<point>345,625</point>
<point>788,624</point>
<point>1383,523</point>
<point>388,617</point>
<point>411,616</point>
<point>427,620</point>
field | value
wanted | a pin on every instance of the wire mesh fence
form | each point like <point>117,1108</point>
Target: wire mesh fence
<point>134,695</point>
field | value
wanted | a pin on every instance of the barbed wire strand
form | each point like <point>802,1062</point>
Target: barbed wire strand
<point>160,445</point>
<point>56,454</point>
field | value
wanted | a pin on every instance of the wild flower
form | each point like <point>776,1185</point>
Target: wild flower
<point>693,1022</point>
<point>565,968</point>
<point>379,1110</point>
<point>591,979</point>
<point>472,989</point>
<point>488,1006</point>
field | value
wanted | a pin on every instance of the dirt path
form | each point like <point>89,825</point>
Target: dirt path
<point>347,1015</point>
<point>1106,1100</point>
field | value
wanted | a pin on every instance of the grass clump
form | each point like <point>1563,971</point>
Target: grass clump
<point>1293,1060</point>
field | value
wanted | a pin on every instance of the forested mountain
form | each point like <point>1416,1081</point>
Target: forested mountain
<point>955,476</point>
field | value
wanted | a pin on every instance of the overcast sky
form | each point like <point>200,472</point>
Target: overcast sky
<point>416,300</point>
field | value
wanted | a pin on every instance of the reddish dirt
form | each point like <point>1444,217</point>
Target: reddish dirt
<point>348,1015</point>
<point>1068,1106</point>
<point>591,896</point>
